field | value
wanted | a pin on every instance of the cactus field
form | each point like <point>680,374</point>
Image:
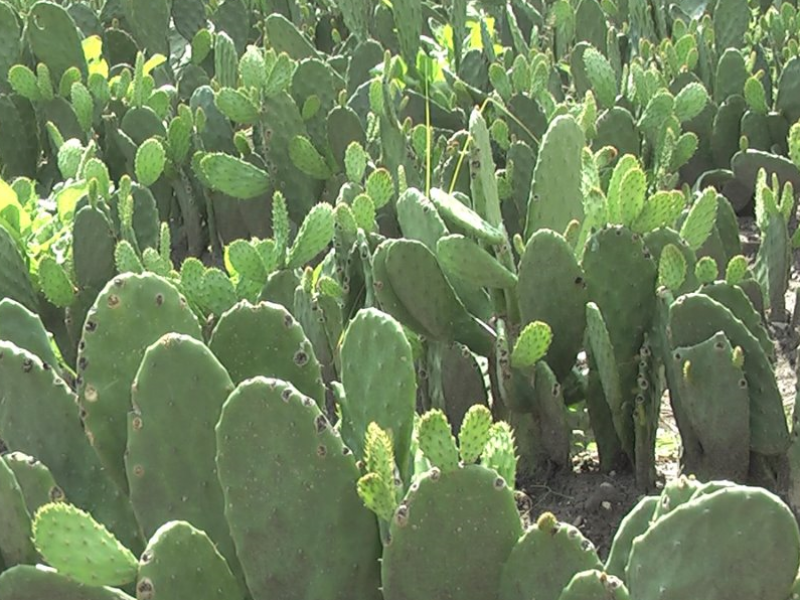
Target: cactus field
<point>399,299</point>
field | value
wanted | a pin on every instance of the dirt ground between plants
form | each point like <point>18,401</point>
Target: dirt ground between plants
<point>596,502</point>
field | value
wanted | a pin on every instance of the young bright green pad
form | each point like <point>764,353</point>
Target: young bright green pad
<point>701,219</point>
<point>706,270</point>
<point>745,540</point>
<point>601,75</point>
<point>307,159</point>
<point>531,345</point>
<point>39,416</point>
<point>633,525</point>
<point>595,585</point>
<point>378,495</point>
<point>632,190</point>
<point>300,529</point>
<point>736,271</point>
<point>437,442</point>
<point>475,433</point>
<point>15,522</point>
<point>77,546</point>
<point>374,351</point>
<point>131,313</point>
<point>500,452</point>
<point>149,162</point>
<point>181,561</point>
<point>25,330</point>
<point>55,282</point>
<point>313,237</point>
<point>265,339</point>
<point>656,242</point>
<point>237,106</point>
<point>26,582</point>
<point>180,383</point>
<point>451,536</point>
<point>545,559</point>
<point>35,480</point>
<point>694,318</point>
<point>671,268</point>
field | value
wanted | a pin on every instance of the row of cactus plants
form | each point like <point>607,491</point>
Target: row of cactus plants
<point>236,218</point>
<point>260,496</point>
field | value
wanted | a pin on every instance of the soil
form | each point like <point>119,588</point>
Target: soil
<point>596,502</point>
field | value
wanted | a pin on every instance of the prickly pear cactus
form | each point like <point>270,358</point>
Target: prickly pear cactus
<point>14,280</point>
<point>559,302</point>
<point>35,403</point>
<point>556,197</point>
<point>269,432</point>
<point>177,481</point>
<point>545,559</point>
<point>375,350</point>
<point>707,530</point>
<point>437,442</point>
<point>402,267</point>
<point>182,561</point>
<point>28,582</point>
<point>15,522</point>
<point>450,536</point>
<point>709,373</point>
<point>474,433</point>
<point>632,526</point>
<point>132,312</point>
<point>25,330</point>
<point>59,528</point>
<point>595,585</point>
<point>694,318</point>
<point>621,278</point>
<point>265,339</point>
<point>35,480</point>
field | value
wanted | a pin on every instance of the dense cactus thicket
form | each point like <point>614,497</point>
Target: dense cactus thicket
<point>294,295</point>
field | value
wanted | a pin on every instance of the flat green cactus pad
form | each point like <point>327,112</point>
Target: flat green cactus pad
<point>79,547</point>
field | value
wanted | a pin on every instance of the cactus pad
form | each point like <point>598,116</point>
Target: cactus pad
<point>708,531</point>
<point>25,330</point>
<point>545,559</point>
<point>34,403</point>
<point>15,522</point>
<point>375,348</point>
<point>450,537</point>
<point>59,528</point>
<point>179,383</point>
<point>181,561</point>
<point>269,432</point>
<point>132,312</point>
<point>26,582</point>
<point>265,339</point>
